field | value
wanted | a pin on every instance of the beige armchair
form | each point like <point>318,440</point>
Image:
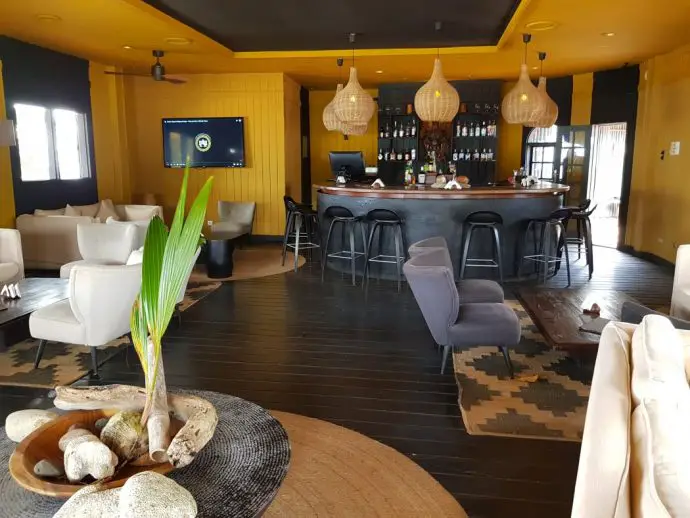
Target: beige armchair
<point>97,311</point>
<point>103,244</point>
<point>11,259</point>
<point>680,299</point>
<point>235,219</point>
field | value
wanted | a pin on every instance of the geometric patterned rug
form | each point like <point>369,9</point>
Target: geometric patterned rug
<point>550,405</point>
<point>63,364</point>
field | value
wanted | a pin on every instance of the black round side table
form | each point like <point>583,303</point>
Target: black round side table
<point>237,474</point>
<point>219,258</point>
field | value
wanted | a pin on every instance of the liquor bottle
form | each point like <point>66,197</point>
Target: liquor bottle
<point>399,156</point>
<point>386,155</point>
<point>392,157</point>
<point>455,155</point>
<point>408,129</point>
<point>381,132</point>
<point>482,155</point>
<point>490,155</point>
<point>458,129</point>
<point>470,131</point>
<point>464,130</point>
<point>395,129</point>
<point>387,131</point>
<point>407,155</point>
<point>380,154</point>
<point>483,129</point>
<point>475,156</point>
<point>413,129</point>
<point>413,154</point>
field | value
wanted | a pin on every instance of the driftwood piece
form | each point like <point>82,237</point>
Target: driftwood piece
<point>157,418</point>
<point>199,415</point>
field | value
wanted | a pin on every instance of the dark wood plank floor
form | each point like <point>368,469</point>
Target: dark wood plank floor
<point>290,343</point>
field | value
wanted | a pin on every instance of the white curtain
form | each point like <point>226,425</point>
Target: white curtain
<point>606,167</point>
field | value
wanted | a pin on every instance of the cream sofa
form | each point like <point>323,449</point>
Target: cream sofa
<point>49,237</point>
<point>11,260</point>
<point>635,456</point>
<point>680,300</point>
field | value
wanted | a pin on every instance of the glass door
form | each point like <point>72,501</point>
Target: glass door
<point>572,161</point>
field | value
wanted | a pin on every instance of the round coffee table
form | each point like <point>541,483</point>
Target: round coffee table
<point>236,475</point>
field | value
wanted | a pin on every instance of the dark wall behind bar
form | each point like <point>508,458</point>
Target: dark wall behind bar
<point>35,75</point>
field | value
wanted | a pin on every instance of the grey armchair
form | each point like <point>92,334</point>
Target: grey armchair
<point>471,291</point>
<point>235,218</point>
<point>451,323</point>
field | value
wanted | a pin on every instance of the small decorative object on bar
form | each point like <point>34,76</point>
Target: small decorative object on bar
<point>11,291</point>
<point>378,184</point>
<point>146,428</point>
<point>524,104</point>
<point>437,100</point>
<point>354,105</point>
<point>551,115</point>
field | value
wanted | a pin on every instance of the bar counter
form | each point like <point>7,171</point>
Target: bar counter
<point>429,212</point>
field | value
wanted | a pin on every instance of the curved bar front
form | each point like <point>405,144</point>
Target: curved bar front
<point>431,212</point>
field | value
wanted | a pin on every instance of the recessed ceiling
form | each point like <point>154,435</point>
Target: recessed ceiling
<point>99,30</point>
<point>262,25</point>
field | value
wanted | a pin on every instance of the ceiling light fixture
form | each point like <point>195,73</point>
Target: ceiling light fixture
<point>608,34</point>
<point>437,100</point>
<point>551,115</point>
<point>541,26</point>
<point>127,47</point>
<point>178,41</point>
<point>379,71</point>
<point>48,17</point>
<point>354,106</point>
<point>524,104</point>
<point>330,121</point>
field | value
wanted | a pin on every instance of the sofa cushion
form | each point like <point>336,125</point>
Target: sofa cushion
<point>57,322</point>
<point>658,358</point>
<point>602,489</point>
<point>55,212</point>
<point>71,211</point>
<point>8,271</point>
<point>107,210</point>
<point>681,302</point>
<point>660,468</point>
<point>88,210</point>
<point>140,212</point>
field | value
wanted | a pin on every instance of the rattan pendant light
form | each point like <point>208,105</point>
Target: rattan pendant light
<point>330,121</point>
<point>524,104</point>
<point>551,115</point>
<point>437,100</point>
<point>354,105</point>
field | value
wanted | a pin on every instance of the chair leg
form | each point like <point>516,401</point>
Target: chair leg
<point>324,252</point>
<point>94,362</point>
<point>177,314</point>
<point>298,229</point>
<point>350,227</point>
<point>398,256</point>
<point>578,221</point>
<point>364,237</point>
<point>365,279</point>
<point>446,350</point>
<point>39,353</point>
<point>499,254</point>
<point>565,252</point>
<point>286,237</point>
<point>465,251</point>
<point>589,248</point>
<point>506,357</point>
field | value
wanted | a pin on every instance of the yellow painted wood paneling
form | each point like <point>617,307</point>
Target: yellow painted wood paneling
<point>110,135</point>
<point>583,85</point>
<point>322,141</point>
<point>6,189</point>
<point>256,97</point>
<point>659,214</point>
<point>293,140</point>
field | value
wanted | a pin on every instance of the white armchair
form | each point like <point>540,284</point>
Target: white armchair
<point>11,259</point>
<point>103,244</point>
<point>97,311</point>
<point>680,299</point>
<point>235,219</point>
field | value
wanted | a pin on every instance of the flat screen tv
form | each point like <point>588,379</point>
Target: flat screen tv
<point>205,142</point>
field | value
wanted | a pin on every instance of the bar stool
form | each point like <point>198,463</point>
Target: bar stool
<point>302,222</point>
<point>381,219</point>
<point>488,220</point>
<point>584,233</point>
<point>552,230</point>
<point>348,221</point>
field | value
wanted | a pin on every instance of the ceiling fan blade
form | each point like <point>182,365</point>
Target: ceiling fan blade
<point>174,80</point>
<point>125,74</point>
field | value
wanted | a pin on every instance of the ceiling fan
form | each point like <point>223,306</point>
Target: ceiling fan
<point>157,71</point>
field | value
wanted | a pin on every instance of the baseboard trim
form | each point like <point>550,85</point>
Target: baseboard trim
<point>648,256</point>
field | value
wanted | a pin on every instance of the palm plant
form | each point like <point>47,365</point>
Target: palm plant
<point>167,258</point>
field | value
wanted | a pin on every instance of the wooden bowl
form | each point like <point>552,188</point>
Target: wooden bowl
<point>42,444</point>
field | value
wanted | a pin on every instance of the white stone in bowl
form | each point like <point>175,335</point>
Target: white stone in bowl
<point>21,423</point>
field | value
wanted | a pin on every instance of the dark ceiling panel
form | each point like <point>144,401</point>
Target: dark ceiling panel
<point>263,25</point>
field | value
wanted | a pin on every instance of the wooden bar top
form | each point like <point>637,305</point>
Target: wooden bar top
<point>425,192</point>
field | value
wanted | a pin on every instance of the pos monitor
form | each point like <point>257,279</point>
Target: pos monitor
<point>349,162</point>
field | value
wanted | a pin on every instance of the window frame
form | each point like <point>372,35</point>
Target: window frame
<point>83,143</point>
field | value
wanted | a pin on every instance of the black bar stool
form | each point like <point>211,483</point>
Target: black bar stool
<point>581,215</point>
<point>488,220</point>
<point>380,219</point>
<point>302,226</point>
<point>348,221</point>
<point>552,244</point>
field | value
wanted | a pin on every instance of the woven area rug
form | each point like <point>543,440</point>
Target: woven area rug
<point>254,261</point>
<point>63,364</point>
<point>552,406</point>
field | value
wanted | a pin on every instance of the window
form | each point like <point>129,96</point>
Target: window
<point>52,143</point>
<point>541,148</point>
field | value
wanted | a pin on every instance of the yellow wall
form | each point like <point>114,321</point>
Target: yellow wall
<point>583,86</point>
<point>110,135</point>
<point>6,189</point>
<point>259,98</point>
<point>323,141</point>
<point>659,213</point>
<point>293,140</point>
